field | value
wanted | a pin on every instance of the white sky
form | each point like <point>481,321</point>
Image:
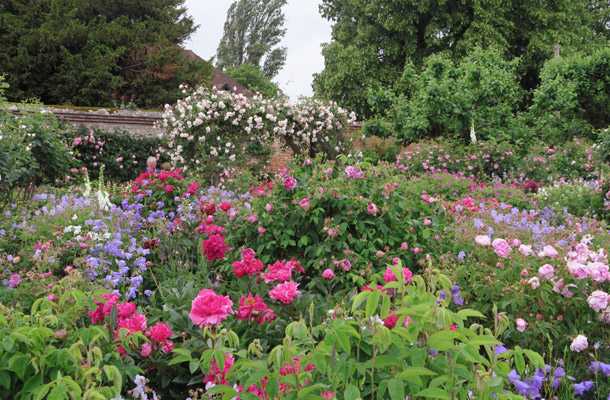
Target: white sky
<point>307,30</point>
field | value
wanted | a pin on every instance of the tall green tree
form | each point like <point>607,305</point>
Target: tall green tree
<point>372,41</point>
<point>252,32</point>
<point>254,79</point>
<point>91,52</point>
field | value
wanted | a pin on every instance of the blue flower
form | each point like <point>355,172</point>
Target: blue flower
<point>582,387</point>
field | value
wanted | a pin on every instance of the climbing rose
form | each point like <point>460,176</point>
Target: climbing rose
<point>209,308</point>
<point>285,292</point>
<point>215,247</point>
<point>501,248</point>
<point>160,332</point>
<point>579,343</point>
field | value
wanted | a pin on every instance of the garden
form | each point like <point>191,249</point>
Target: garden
<point>415,265</point>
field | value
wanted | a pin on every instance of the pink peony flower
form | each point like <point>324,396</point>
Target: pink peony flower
<point>160,332</point>
<point>501,248</point>
<point>225,206</point>
<point>372,209</point>
<point>209,308</point>
<point>290,183</point>
<point>548,251</point>
<point>146,350</point>
<point>252,218</point>
<point>126,310</point>
<point>515,243</point>
<point>598,300</point>
<point>521,324</point>
<point>546,271</point>
<point>328,274</point>
<point>248,265</point>
<point>253,308</point>
<point>168,188</point>
<point>215,247</point>
<point>192,188</point>
<point>281,271</point>
<point>579,343</point>
<point>482,240</point>
<point>285,292</point>
<point>388,275</point>
<point>135,323</point>
<point>354,172</point>
<point>304,203</point>
<point>526,250</point>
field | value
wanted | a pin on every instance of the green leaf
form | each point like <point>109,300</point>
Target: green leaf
<point>433,393</point>
<point>5,379</point>
<point>358,300</point>
<point>411,372</point>
<point>397,389</point>
<point>114,375</point>
<point>59,392</point>
<point>519,360</point>
<point>483,340</point>
<point>351,392</point>
<point>535,358</point>
<point>372,302</point>
<point>468,313</point>
<point>442,340</point>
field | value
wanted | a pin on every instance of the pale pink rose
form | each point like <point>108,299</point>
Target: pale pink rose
<point>578,270</point>
<point>252,218</point>
<point>328,274</point>
<point>269,207</point>
<point>146,350</point>
<point>598,271</point>
<point>482,240</point>
<point>521,324</point>
<point>501,248</point>
<point>546,271</point>
<point>598,300</point>
<point>261,230</point>
<point>579,343</point>
<point>515,243</point>
<point>526,250</point>
<point>427,221</point>
<point>548,251</point>
<point>290,183</point>
<point>404,246</point>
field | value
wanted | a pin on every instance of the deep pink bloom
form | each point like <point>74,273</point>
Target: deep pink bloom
<point>290,183</point>
<point>281,271</point>
<point>285,292</point>
<point>192,188</point>
<point>160,332</point>
<point>248,265</point>
<point>304,203</point>
<point>328,395</point>
<point>389,276</point>
<point>225,206</point>
<point>215,247</point>
<point>133,324</point>
<point>209,308</point>
<point>390,321</point>
<point>168,188</point>
<point>125,310</point>
<point>253,308</point>
<point>215,375</point>
<point>146,350</point>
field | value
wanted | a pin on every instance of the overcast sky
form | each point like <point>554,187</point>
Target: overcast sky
<point>306,32</point>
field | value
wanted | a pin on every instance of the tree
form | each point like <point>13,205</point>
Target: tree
<point>90,52</point>
<point>254,79</point>
<point>375,39</point>
<point>252,31</point>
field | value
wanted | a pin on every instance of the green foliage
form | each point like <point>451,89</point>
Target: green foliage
<point>252,31</point>
<point>372,42</point>
<point>447,99</point>
<point>254,79</point>
<point>122,153</point>
<point>50,353</point>
<point>87,52</point>
<point>32,152</point>
<point>573,98</point>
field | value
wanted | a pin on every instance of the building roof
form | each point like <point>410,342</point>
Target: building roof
<point>220,80</point>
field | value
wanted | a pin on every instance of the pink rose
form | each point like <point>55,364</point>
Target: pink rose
<point>598,300</point>
<point>501,248</point>
<point>328,274</point>
<point>389,276</point>
<point>214,248</point>
<point>304,203</point>
<point>372,209</point>
<point>521,324</point>
<point>579,343</point>
<point>290,183</point>
<point>269,207</point>
<point>209,308</point>
<point>146,350</point>
<point>534,282</point>
<point>546,271</point>
<point>285,292</point>
<point>160,332</point>
<point>252,218</point>
<point>482,240</point>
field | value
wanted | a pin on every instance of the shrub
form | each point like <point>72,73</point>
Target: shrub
<point>122,153</point>
<point>573,97</point>
<point>32,152</point>
<point>448,99</point>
